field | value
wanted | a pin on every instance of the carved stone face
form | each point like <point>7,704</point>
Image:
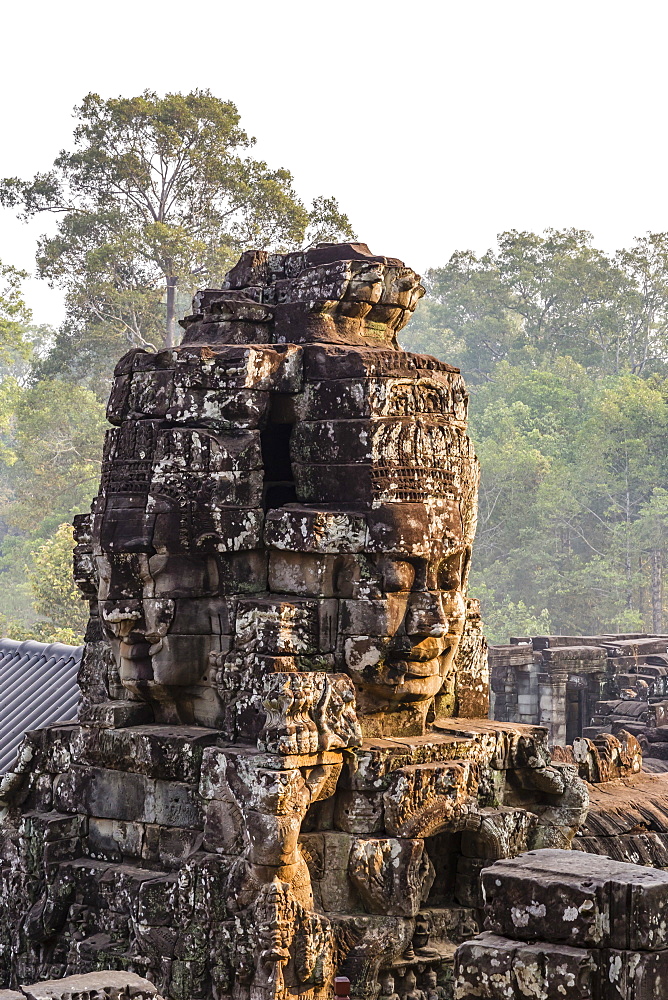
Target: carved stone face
<point>423,617</point>
<point>286,507</point>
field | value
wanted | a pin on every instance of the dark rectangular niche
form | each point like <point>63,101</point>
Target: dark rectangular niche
<point>279,485</point>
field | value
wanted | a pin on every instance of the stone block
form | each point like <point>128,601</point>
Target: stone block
<point>332,361</point>
<point>119,795</point>
<point>373,618</point>
<point>335,484</point>
<point>275,367</point>
<point>347,398</point>
<point>577,899</point>
<point>157,900</point>
<point>503,832</point>
<point>659,751</point>
<point>118,714</point>
<point>175,844</point>
<point>497,968</point>
<point>173,753</point>
<point>114,839</point>
<point>359,812</point>
<point>491,966</point>
<point>413,529</point>
<point>391,876</point>
<point>308,712</point>
<point>216,407</point>
<point>298,626</point>
<point>425,799</point>
<point>223,826</point>
<point>303,529</point>
<point>220,529</point>
<point>336,890</point>
<point>105,983</point>
<point>633,975</point>
<point>305,574</point>
<point>590,658</point>
<point>51,826</point>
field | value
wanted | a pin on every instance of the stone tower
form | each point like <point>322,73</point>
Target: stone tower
<point>277,772</point>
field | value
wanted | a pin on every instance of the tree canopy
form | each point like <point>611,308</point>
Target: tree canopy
<point>158,196</point>
<point>547,296</point>
<point>565,350</point>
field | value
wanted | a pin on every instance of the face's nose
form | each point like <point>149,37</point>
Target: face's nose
<point>425,615</point>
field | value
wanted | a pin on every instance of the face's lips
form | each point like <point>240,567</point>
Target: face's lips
<point>427,649</point>
<point>416,668</point>
<point>134,650</point>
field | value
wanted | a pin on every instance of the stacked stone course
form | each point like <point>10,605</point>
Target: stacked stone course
<point>283,766</point>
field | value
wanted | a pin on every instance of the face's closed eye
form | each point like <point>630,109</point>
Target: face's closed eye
<point>397,575</point>
<point>449,572</point>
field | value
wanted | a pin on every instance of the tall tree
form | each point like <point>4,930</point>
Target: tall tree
<point>15,316</point>
<point>541,296</point>
<point>157,196</point>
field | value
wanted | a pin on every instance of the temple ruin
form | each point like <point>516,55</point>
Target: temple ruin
<point>283,768</point>
<point>584,685</point>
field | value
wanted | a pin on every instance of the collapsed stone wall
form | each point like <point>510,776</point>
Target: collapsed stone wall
<point>583,685</point>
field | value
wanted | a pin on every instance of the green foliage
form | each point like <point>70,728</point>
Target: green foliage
<point>51,437</point>
<point>548,296</point>
<point>39,631</point>
<point>565,349</point>
<point>505,618</point>
<point>56,445</point>
<point>55,596</point>
<point>157,197</point>
<point>569,467</point>
<point>15,316</point>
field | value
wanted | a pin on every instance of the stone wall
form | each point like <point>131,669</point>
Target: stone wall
<point>581,685</point>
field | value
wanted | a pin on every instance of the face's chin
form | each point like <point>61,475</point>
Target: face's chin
<point>411,687</point>
<point>134,663</point>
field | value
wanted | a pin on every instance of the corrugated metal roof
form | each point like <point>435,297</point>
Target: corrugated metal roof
<point>38,686</point>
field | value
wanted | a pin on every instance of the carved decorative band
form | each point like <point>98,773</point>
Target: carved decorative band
<point>413,484</point>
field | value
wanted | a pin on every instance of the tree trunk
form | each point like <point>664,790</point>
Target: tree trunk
<point>657,590</point>
<point>642,595</point>
<point>170,336</point>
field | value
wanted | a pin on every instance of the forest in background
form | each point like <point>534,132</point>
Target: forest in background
<point>564,349</point>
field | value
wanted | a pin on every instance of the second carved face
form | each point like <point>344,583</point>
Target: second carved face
<point>238,523</point>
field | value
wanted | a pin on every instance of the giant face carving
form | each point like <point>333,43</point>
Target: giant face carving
<point>288,492</point>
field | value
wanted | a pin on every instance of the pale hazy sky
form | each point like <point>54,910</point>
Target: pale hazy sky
<point>435,124</point>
